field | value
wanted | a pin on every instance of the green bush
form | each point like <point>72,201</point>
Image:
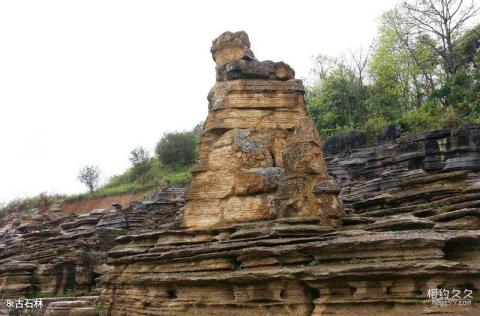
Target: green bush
<point>177,149</point>
<point>431,116</point>
<point>155,177</point>
<point>417,120</point>
<point>373,127</point>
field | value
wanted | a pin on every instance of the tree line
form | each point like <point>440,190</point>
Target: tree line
<point>421,73</point>
<point>174,149</point>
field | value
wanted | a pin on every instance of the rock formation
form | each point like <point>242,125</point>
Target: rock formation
<point>262,231</point>
<point>428,180</point>
<point>57,254</point>
<point>260,155</point>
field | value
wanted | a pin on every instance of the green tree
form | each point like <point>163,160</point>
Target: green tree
<point>140,159</point>
<point>462,89</point>
<point>90,176</point>
<point>337,99</point>
<point>177,149</point>
<point>440,24</point>
<point>418,67</point>
<point>397,72</point>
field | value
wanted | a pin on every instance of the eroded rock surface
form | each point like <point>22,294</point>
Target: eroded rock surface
<point>429,180</point>
<point>264,234</point>
<point>57,254</point>
<point>260,155</point>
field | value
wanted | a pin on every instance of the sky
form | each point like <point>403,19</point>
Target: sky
<point>84,82</point>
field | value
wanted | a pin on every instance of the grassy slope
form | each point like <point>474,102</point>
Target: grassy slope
<point>156,176</point>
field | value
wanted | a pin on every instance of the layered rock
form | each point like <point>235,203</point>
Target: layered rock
<point>260,154</point>
<point>263,232</point>
<point>52,253</point>
<point>429,180</point>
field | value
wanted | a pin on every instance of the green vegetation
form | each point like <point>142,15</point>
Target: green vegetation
<point>178,149</point>
<point>155,176</point>
<point>140,159</point>
<point>420,76</point>
<point>145,175</point>
<point>356,260</point>
<point>313,263</point>
<point>90,176</point>
<point>68,293</point>
<point>41,201</point>
<point>176,152</point>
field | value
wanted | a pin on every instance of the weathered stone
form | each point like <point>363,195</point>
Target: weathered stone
<point>246,69</point>
<point>257,94</point>
<point>257,127</point>
<point>230,47</point>
<point>343,143</point>
<point>389,133</point>
<point>263,231</point>
<point>54,253</point>
<point>257,180</point>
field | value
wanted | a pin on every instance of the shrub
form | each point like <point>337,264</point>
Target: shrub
<point>177,149</point>
<point>450,118</point>
<point>419,119</point>
<point>373,127</point>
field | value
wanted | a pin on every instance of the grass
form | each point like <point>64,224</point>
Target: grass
<point>68,293</point>
<point>313,263</point>
<point>155,176</point>
<point>42,201</point>
<point>356,260</point>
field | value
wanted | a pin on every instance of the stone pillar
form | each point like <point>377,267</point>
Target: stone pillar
<point>260,155</point>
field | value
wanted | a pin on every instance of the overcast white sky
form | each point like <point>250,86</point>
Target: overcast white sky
<point>84,82</point>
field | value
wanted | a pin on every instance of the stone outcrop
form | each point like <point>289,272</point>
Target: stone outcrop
<point>53,254</point>
<point>429,180</point>
<point>260,154</point>
<point>262,231</point>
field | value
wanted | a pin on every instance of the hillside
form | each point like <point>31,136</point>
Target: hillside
<point>120,189</point>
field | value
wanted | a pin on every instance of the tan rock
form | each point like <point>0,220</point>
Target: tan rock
<point>257,140</point>
<point>231,46</point>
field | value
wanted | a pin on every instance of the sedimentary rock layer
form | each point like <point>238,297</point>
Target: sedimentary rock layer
<point>263,232</point>
<point>260,154</point>
<point>54,253</point>
<point>429,180</point>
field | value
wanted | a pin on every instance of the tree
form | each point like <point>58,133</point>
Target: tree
<point>336,101</point>
<point>140,159</point>
<point>138,155</point>
<point>462,89</point>
<point>399,70</point>
<point>439,24</point>
<point>90,176</point>
<point>177,149</point>
<point>425,61</point>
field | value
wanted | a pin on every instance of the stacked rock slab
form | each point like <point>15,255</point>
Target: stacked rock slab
<point>48,254</point>
<point>260,154</point>
<point>254,238</point>
<point>428,180</point>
